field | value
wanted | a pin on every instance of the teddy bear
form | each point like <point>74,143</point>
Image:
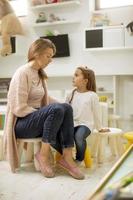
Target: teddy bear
<point>9,26</point>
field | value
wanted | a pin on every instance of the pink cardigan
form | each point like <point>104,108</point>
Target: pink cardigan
<point>17,107</point>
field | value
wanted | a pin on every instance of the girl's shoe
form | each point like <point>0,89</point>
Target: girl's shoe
<point>46,169</point>
<point>73,171</point>
<point>78,162</point>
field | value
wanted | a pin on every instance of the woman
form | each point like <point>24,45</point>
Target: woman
<point>32,113</point>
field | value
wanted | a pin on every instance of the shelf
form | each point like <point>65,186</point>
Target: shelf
<point>3,100</point>
<point>3,109</point>
<point>3,91</point>
<point>108,49</point>
<point>105,92</point>
<point>56,5</point>
<point>105,27</point>
<point>61,22</point>
<point>111,106</point>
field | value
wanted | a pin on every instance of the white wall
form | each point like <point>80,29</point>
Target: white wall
<point>111,62</point>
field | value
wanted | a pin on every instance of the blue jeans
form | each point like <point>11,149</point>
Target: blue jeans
<point>80,135</point>
<point>54,123</point>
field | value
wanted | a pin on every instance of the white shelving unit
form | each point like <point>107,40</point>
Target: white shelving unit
<point>4,84</point>
<point>108,85</point>
<point>55,5</point>
<point>108,38</point>
<point>61,22</point>
<point>49,8</point>
<point>3,100</point>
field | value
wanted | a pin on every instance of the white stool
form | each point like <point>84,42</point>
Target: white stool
<point>1,144</point>
<point>115,142</point>
<point>33,142</point>
<point>114,120</point>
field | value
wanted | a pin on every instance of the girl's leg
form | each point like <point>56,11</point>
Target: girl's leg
<point>80,135</point>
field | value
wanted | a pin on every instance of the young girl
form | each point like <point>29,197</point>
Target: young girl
<point>85,104</point>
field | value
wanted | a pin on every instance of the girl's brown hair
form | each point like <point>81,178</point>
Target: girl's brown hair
<point>37,48</point>
<point>90,76</point>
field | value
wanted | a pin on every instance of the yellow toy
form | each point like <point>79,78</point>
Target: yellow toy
<point>87,159</point>
<point>129,137</point>
<point>103,98</point>
<point>9,26</point>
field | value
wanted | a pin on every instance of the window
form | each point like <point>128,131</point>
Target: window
<point>101,4</point>
<point>20,7</point>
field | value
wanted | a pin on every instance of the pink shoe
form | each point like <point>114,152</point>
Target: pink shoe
<point>46,170</point>
<point>73,171</point>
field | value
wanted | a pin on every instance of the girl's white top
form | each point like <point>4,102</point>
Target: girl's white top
<point>86,109</point>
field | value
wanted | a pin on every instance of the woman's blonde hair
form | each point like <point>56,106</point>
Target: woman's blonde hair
<point>37,48</point>
<point>90,76</point>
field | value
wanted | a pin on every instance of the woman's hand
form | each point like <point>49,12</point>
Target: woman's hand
<point>103,130</point>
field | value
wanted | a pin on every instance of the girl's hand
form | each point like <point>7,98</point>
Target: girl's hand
<point>103,130</point>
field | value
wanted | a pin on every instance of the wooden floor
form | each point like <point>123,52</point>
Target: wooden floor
<point>27,184</point>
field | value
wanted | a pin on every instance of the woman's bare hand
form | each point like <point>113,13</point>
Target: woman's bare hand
<point>103,130</point>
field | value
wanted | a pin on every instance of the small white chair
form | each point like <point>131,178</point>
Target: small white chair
<point>104,113</point>
<point>114,138</point>
<point>114,120</point>
<point>33,145</point>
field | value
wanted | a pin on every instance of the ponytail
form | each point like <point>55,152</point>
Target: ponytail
<point>70,101</point>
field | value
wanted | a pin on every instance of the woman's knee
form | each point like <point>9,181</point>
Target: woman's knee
<point>57,108</point>
<point>67,107</point>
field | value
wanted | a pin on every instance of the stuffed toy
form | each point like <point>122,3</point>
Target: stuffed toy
<point>41,17</point>
<point>9,26</point>
<point>130,27</point>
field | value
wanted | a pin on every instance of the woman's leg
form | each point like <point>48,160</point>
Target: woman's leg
<point>45,123</point>
<point>41,123</point>
<point>65,135</point>
<point>65,143</point>
<point>80,135</point>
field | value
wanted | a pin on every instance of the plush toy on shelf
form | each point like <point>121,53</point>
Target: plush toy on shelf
<point>55,1</point>
<point>9,26</point>
<point>130,27</point>
<point>53,18</point>
<point>41,18</point>
<point>51,1</point>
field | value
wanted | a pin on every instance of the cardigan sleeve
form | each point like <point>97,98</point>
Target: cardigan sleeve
<point>18,95</point>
